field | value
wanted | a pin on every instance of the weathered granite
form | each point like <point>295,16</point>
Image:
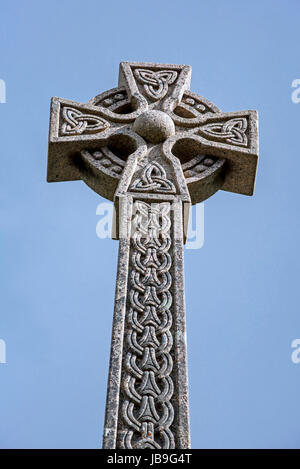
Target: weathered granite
<point>153,147</point>
<point>154,126</point>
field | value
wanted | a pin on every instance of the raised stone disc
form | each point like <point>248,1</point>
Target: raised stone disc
<point>154,126</point>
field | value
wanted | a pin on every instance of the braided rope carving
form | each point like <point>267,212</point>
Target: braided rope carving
<point>147,386</point>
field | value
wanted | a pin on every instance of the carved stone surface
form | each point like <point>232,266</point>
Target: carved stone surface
<point>147,384</point>
<point>201,129</point>
<point>153,180</point>
<point>153,147</point>
<point>154,126</point>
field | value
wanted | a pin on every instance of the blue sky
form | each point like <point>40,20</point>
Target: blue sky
<point>57,277</point>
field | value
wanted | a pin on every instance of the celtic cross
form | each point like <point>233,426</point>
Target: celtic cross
<point>154,148</point>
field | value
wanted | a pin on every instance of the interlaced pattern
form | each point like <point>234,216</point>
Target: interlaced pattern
<point>147,412</point>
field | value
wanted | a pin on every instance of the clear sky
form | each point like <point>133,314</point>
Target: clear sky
<point>57,277</point>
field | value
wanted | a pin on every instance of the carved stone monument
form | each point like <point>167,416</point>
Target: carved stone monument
<point>154,148</point>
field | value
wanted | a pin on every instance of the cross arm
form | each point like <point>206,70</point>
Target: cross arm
<point>208,134</point>
<point>85,139</point>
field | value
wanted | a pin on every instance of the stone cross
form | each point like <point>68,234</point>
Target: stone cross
<point>154,148</point>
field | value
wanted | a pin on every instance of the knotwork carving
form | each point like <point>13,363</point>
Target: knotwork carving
<point>156,84</point>
<point>153,179</point>
<point>147,385</point>
<point>77,123</point>
<point>198,165</point>
<point>231,131</point>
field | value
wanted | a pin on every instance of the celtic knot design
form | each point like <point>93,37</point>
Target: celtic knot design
<point>147,384</point>
<point>156,84</point>
<point>231,131</point>
<point>153,179</point>
<point>77,123</point>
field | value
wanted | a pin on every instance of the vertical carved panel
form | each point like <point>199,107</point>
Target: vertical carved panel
<point>145,409</point>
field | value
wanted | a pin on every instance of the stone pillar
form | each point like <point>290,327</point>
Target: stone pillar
<point>147,399</point>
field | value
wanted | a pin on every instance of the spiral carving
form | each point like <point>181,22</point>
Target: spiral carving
<point>147,385</point>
